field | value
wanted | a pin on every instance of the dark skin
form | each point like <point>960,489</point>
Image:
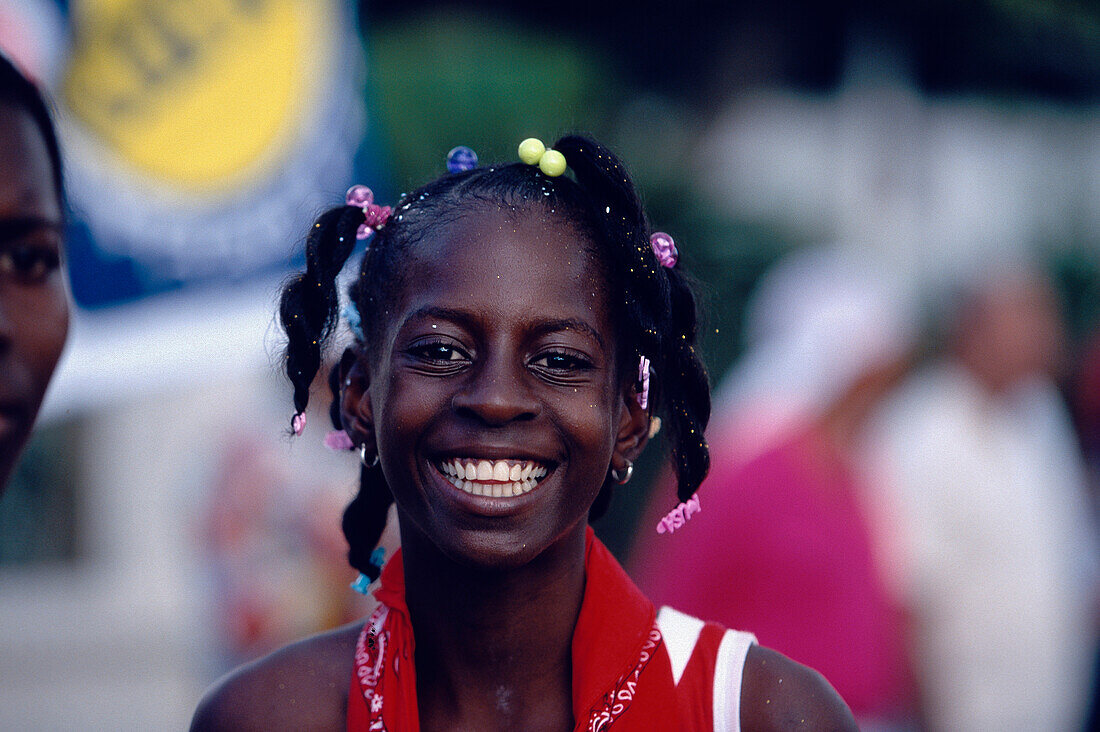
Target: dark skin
<point>501,348</point>
<point>34,303</point>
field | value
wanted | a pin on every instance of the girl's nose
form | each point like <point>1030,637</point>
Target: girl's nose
<point>496,394</point>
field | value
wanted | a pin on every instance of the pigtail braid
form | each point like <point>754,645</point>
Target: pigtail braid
<point>365,519</point>
<point>687,392</point>
<point>308,309</point>
<point>659,308</point>
<point>622,220</point>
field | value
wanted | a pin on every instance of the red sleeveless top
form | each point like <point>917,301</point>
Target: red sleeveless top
<point>626,674</point>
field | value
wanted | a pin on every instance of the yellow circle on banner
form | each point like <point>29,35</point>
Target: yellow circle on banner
<point>201,94</point>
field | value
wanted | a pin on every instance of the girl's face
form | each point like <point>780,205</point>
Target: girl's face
<point>493,396</point>
<point>34,312</point>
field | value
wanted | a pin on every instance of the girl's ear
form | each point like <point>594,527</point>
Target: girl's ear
<point>633,433</point>
<point>355,406</point>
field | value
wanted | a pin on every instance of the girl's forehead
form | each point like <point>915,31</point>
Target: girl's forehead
<point>506,260</point>
<point>533,240</point>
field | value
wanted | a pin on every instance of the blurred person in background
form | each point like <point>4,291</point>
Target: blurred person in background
<point>788,541</point>
<point>1000,545</point>
<point>34,303</point>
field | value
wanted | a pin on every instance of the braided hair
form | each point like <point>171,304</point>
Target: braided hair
<point>653,307</point>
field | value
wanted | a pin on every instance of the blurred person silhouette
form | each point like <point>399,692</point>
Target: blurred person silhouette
<point>276,569</point>
<point>788,542</point>
<point>1084,397</point>
<point>1001,551</point>
<point>34,302</point>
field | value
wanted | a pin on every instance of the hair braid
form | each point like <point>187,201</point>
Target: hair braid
<point>659,308</point>
<point>365,518</point>
<point>688,405</point>
<point>308,309</point>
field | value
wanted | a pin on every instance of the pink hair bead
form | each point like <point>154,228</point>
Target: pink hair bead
<point>374,216</point>
<point>679,516</point>
<point>643,376</point>
<point>298,423</point>
<point>665,248</point>
<point>338,441</point>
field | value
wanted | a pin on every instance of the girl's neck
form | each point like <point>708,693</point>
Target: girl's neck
<point>494,646</point>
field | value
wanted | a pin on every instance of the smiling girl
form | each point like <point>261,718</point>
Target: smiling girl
<point>516,332</point>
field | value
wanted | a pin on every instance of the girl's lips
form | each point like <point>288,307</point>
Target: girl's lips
<point>492,478</point>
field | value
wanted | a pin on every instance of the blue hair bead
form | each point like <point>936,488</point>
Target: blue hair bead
<point>378,557</point>
<point>361,584</point>
<point>461,159</point>
<point>355,323</point>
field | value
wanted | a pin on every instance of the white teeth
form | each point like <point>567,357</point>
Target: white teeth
<point>508,477</point>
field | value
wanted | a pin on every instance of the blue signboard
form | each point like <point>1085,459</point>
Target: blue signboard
<point>200,136</point>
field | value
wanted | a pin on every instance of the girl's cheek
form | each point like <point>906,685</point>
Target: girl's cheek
<point>45,326</point>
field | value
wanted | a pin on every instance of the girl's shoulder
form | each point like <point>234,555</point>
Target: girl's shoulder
<point>780,694</point>
<point>302,686</point>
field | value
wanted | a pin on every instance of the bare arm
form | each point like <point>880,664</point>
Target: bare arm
<point>778,694</point>
<point>302,686</point>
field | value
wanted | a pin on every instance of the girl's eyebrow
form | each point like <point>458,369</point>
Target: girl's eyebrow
<point>432,311</point>
<point>552,326</point>
<point>543,326</point>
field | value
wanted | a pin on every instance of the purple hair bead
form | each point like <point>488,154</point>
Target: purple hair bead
<point>665,248</point>
<point>359,196</point>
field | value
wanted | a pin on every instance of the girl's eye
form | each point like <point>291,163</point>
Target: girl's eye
<point>28,263</point>
<point>561,362</point>
<point>438,353</point>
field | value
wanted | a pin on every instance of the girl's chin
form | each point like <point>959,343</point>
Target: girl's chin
<point>505,550</point>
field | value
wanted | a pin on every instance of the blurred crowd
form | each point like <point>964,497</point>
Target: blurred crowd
<point>900,497</point>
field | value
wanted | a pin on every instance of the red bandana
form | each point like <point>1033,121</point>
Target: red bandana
<point>621,673</point>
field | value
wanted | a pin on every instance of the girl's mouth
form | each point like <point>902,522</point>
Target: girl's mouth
<point>492,478</point>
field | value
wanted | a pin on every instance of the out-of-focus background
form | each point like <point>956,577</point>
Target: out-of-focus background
<point>893,210</point>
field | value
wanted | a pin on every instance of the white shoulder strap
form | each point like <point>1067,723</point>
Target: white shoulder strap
<point>728,670</point>
<point>680,632</point>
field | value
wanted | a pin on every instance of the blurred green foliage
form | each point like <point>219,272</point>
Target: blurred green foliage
<point>492,83</point>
